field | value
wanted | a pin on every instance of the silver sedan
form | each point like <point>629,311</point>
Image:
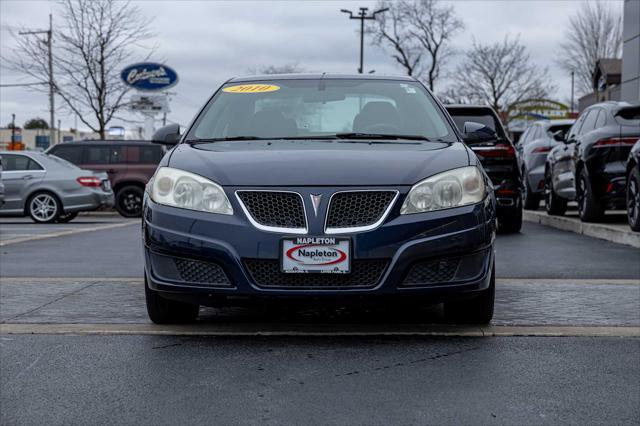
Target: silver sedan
<point>50,189</point>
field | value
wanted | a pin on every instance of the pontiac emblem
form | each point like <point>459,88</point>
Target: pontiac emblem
<point>315,201</point>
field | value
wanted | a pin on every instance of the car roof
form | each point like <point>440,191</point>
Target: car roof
<point>324,76</point>
<point>555,122</point>
<point>614,105</point>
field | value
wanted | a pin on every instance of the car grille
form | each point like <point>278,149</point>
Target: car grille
<point>364,273</point>
<point>357,208</point>
<point>275,209</point>
<point>432,272</point>
<point>201,272</point>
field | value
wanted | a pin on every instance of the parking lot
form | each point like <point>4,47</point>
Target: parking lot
<point>74,328</point>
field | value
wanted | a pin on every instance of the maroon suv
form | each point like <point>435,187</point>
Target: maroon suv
<point>129,164</point>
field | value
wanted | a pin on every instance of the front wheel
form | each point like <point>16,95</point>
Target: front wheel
<point>166,311</point>
<point>633,199</point>
<point>589,209</point>
<point>44,207</point>
<point>478,310</point>
<point>129,201</point>
<point>510,224</point>
<point>553,204</point>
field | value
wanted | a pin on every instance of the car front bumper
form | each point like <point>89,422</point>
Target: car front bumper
<point>225,246</point>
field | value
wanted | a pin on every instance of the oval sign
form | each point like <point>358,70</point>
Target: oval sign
<point>149,76</point>
<point>316,254</point>
<point>251,88</point>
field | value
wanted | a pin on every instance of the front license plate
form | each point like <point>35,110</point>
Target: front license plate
<point>315,255</point>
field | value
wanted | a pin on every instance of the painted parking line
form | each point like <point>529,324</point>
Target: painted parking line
<point>320,330</point>
<point>69,232</point>
<point>499,281</point>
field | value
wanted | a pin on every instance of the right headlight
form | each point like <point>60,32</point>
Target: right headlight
<point>453,188</point>
<point>179,188</point>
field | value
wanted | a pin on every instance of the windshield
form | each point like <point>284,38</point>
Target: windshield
<point>310,108</point>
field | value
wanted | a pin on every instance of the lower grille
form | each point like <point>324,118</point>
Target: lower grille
<point>357,208</point>
<point>364,273</point>
<point>274,209</point>
<point>201,272</point>
<point>432,272</point>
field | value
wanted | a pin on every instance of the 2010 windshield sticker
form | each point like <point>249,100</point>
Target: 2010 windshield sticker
<point>251,88</point>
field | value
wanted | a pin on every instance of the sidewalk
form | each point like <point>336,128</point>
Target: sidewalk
<point>614,227</point>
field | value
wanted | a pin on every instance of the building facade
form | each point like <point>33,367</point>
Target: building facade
<point>631,52</point>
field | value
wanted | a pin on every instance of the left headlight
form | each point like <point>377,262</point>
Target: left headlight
<point>453,188</point>
<point>178,188</point>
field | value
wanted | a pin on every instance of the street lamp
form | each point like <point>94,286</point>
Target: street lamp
<point>362,16</point>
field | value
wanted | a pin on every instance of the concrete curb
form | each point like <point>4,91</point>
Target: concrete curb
<point>320,330</point>
<point>603,231</point>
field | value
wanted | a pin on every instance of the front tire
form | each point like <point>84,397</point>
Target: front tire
<point>478,310</point>
<point>633,199</point>
<point>553,204</point>
<point>166,311</point>
<point>129,201</point>
<point>589,209</point>
<point>44,207</point>
<point>510,224</point>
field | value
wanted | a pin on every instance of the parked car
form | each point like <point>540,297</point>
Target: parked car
<point>498,157</point>
<point>589,167</point>
<point>129,164</point>
<point>533,148</point>
<point>327,187</point>
<point>50,189</point>
<point>633,187</point>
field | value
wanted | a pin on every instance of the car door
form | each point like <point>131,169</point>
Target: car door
<point>142,161</point>
<point>19,174</point>
<point>107,158</point>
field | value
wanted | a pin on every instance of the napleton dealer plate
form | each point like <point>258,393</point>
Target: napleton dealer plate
<point>315,255</point>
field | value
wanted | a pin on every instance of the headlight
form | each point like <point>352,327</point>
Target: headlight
<point>177,188</point>
<point>453,188</point>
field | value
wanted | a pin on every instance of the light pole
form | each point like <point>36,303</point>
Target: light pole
<point>362,16</point>
<point>572,74</point>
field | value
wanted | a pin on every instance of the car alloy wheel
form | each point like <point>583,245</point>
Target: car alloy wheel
<point>129,201</point>
<point>43,208</point>
<point>633,201</point>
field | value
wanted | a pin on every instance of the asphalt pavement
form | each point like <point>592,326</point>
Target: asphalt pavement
<point>76,346</point>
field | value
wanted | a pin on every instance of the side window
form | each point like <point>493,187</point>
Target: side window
<point>145,154</point>
<point>15,163</point>
<point>602,119</point>
<point>72,154</point>
<point>589,122</point>
<point>33,165</point>
<point>102,154</point>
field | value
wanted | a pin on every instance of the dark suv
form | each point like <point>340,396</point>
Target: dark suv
<point>129,164</point>
<point>590,166</point>
<point>498,157</point>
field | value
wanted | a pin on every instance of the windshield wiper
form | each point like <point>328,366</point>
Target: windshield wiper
<point>356,135</point>
<point>226,139</point>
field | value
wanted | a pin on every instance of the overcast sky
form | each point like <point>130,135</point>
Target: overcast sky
<point>207,42</point>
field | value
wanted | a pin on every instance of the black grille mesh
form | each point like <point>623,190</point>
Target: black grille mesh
<point>364,273</point>
<point>278,209</point>
<point>201,272</point>
<point>432,272</point>
<point>353,209</point>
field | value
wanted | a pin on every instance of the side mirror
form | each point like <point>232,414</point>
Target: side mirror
<point>476,132</point>
<point>558,136</point>
<point>167,135</point>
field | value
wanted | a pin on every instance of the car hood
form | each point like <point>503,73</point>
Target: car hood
<point>318,163</point>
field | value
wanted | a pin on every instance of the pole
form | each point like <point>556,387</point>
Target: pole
<point>51,85</point>
<point>58,130</point>
<point>13,127</point>
<point>572,105</point>
<point>362,16</point>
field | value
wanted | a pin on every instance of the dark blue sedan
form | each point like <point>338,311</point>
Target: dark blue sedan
<point>323,188</point>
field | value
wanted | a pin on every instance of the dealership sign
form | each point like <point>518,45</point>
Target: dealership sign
<point>149,76</point>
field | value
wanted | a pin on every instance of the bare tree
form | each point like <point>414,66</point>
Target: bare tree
<point>500,75</point>
<point>292,68</point>
<point>418,33</point>
<point>96,39</point>
<point>390,31</point>
<point>593,33</point>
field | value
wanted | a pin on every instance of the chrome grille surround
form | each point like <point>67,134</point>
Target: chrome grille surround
<point>299,225</point>
<point>379,218</point>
